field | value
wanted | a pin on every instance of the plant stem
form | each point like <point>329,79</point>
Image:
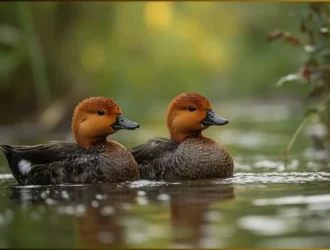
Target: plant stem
<point>35,54</point>
<point>294,137</point>
<point>300,127</point>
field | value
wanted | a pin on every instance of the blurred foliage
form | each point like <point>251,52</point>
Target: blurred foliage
<point>139,53</point>
<point>313,41</point>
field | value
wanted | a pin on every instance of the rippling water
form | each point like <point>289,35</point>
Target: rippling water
<point>288,209</point>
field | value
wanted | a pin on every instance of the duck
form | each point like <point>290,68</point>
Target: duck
<point>90,159</point>
<point>187,155</point>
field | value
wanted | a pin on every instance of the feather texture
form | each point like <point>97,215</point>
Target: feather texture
<point>58,163</point>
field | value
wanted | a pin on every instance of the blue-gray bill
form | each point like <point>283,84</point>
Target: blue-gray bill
<point>123,123</point>
<point>212,119</point>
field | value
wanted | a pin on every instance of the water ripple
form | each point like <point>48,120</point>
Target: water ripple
<point>238,178</point>
<point>292,177</point>
<point>292,200</point>
<point>6,176</point>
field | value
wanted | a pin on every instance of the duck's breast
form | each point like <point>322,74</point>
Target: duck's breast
<point>117,163</point>
<point>199,158</point>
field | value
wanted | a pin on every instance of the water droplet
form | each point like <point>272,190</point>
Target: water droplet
<point>65,194</point>
<point>100,197</point>
<point>142,200</point>
<point>69,210</point>
<point>163,197</point>
<point>43,195</point>
<point>50,201</point>
<point>213,216</point>
<point>94,203</point>
<point>141,193</point>
<point>107,210</point>
<point>80,210</point>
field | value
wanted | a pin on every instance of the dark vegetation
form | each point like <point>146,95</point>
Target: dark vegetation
<point>53,54</point>
<point>313,41</point>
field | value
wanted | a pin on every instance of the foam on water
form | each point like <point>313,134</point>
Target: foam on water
<point>238,178</point>
<point>6,176</point>
<point>145,183</point>
<point>292,177</point>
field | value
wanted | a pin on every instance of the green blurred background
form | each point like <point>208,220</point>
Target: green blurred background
<point>141,54</point>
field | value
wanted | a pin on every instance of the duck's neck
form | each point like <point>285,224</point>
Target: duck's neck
<point>83,137</point>
<point>87,143</point>
<point>180,137</point>
<point>87,140</point>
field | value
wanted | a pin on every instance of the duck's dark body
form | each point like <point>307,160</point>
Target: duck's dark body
<point>194,158</point>
<point>58,163</point>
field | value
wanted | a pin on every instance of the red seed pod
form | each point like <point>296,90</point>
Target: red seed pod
<point>306,73</point>
<point>292,40</point>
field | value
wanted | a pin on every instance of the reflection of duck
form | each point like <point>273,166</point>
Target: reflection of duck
<point>98,224</point>
<point>102,226</point>
<point>189,215</point>
<point>92,159</point>
<point>189,207</point>
<point>100,211</point>
<point>188,155</point>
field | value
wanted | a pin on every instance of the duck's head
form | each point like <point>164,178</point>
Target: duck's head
<point>189,114</point>
<point>97,117</point>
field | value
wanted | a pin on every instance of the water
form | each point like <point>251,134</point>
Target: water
<point>255,210</point>
<point>265,204</point>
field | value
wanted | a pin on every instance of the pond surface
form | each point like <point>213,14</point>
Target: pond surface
<point>265,204</point>
<point>255,210</point>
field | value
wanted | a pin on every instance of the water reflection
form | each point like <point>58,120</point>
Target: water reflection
<point>100,227</point>
<point>100,211</point>
<point>189,208</point>
<point>96,209</point>
<point>190,214</point>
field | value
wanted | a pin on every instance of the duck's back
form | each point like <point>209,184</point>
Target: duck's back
<point>58,163</point>
<point>195,158</point>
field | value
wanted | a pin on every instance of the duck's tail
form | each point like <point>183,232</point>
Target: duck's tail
<point>18,166</point>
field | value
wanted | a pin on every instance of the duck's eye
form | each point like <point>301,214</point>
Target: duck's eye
<point>192,108</point>
<point>100,112</point>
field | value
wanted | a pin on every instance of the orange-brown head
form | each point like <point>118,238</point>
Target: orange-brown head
<point>97,117</point>
<point>189,114</point>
